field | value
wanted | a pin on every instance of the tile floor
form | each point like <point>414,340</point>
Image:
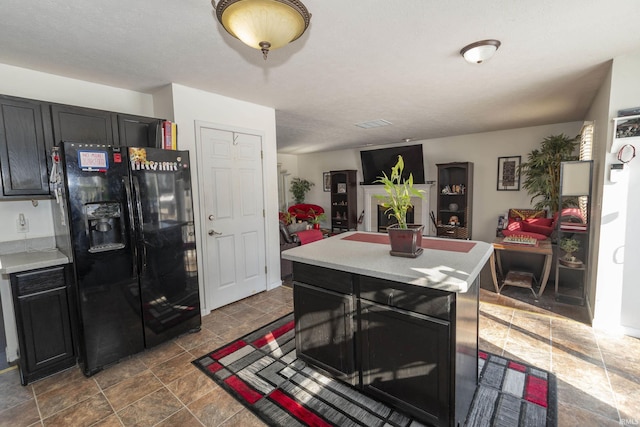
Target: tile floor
<point>598,375</point>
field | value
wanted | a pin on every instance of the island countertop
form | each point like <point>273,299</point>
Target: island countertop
<point>446,264</point>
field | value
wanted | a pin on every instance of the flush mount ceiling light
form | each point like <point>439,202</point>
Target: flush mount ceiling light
<point>478,52</point>
<point>263,24</point>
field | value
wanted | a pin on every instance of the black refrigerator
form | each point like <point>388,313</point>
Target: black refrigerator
<point>129,215</point>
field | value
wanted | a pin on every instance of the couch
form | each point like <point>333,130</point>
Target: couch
<point>534,223</point>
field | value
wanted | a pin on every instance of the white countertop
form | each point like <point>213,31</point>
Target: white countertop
<point>440,269</point>
<point>23,261</point>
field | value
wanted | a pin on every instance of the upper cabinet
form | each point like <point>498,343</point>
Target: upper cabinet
<point>138,131</point>
<point>455,197</point>
<point>25,135</point>
<point>30,128</point>
<point>83,125</point>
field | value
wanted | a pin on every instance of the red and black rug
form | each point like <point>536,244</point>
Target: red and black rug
<point>262,372</point>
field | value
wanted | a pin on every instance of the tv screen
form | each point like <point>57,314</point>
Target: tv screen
<point>374,162</point>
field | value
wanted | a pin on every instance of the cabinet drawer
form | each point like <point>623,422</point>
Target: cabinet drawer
<point>35,281</point>
<point>427,301</point>
<point>340,223</point>
<point>338,281</point>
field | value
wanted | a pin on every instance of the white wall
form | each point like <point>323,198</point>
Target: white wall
<point>191,105</point>
<point>483,149</point>
<point>618,293</point>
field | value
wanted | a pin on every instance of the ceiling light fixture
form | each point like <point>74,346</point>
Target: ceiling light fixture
<point>263,24</point>
<point>478,52</point>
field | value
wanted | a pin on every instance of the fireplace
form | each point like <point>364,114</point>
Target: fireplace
<point>384,220</point>
<point>371,203</point>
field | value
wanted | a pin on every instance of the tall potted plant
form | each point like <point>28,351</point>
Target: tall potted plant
<point>542,170</point>
<point>405,239</point>
<point>299,188</point>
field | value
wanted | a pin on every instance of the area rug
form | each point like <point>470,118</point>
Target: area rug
<point>262,372</point>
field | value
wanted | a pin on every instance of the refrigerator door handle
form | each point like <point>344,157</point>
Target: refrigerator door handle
<point>132,225</point>
<point>136,190</point>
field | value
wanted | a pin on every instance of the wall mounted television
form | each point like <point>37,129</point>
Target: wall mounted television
<point>374,162</point>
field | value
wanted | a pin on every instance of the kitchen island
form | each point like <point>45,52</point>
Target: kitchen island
<point>404,330</point>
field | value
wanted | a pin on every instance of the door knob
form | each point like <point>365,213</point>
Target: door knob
<point>211,217</point>
<point>214,233</point>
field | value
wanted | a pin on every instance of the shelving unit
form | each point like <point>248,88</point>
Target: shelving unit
<point>455,196</point>
<point>343,200</point>
<point>575,189</point>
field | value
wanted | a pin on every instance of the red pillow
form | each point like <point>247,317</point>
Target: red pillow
<point>535,228</point>
<point>545,222</point>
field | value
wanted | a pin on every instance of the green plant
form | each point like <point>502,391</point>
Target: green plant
<point>399,192</point>
<point>316,218</point>
<point>542,170</point>
<point>569,246</point>
<point>288,217</point>
<point>299,188</point>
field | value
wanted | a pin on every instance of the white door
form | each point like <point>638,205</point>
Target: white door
<point>232,214</point>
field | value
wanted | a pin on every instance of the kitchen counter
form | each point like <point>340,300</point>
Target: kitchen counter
<point>23,261</point>
<point>445,266</point>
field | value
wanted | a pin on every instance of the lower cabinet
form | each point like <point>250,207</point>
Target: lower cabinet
<point>44,322</point>
<point>325,330</point>
<point>412,347</point>
<point>406,359</point>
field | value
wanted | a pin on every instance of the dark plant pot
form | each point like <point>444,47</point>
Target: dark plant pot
<point>406,242</point>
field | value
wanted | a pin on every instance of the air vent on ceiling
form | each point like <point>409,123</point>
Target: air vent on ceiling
<point>373,124</point>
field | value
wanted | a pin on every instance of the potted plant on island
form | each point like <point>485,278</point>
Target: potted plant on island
<point>405,239</point>
<point>569,246</point>
<point>299,188</point>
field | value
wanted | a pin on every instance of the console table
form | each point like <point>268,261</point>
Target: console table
<point>542,248</point>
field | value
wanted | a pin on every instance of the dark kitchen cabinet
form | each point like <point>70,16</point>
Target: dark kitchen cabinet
<point>84,125</point>
<point>406,359</point>
<point>44,321</point>
<point>415,347</point>
<point>138,131</point>
<point>325,327</point>
<point>25,135</point>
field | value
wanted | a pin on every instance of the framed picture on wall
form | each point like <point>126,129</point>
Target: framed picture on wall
<point>508,173</point>
<point>326,181</point>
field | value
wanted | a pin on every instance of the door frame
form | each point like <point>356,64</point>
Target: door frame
<point>203,268</point>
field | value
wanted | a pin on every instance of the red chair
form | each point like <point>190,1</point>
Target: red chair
<point>304,211</point>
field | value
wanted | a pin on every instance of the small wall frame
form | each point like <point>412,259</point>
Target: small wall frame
<point>509,173</point>
<point>326,181</point>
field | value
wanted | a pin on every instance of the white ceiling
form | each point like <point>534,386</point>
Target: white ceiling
<point>360,60</point>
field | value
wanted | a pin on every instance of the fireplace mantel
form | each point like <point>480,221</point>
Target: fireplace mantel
<point>370,205</point>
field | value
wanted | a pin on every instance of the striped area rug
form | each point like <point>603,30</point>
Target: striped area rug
<point>262,372</point>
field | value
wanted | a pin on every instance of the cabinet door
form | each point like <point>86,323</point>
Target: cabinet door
<point>325,330</point>
<point>83,125</point>
<point>406,359</point>
<point>44,322</point>
<point>23,157</point>
<point>137,131</point>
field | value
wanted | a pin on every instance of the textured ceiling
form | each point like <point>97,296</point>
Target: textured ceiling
<point>396,60</point>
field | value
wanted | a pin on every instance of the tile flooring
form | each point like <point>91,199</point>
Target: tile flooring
<point>598,375</point>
